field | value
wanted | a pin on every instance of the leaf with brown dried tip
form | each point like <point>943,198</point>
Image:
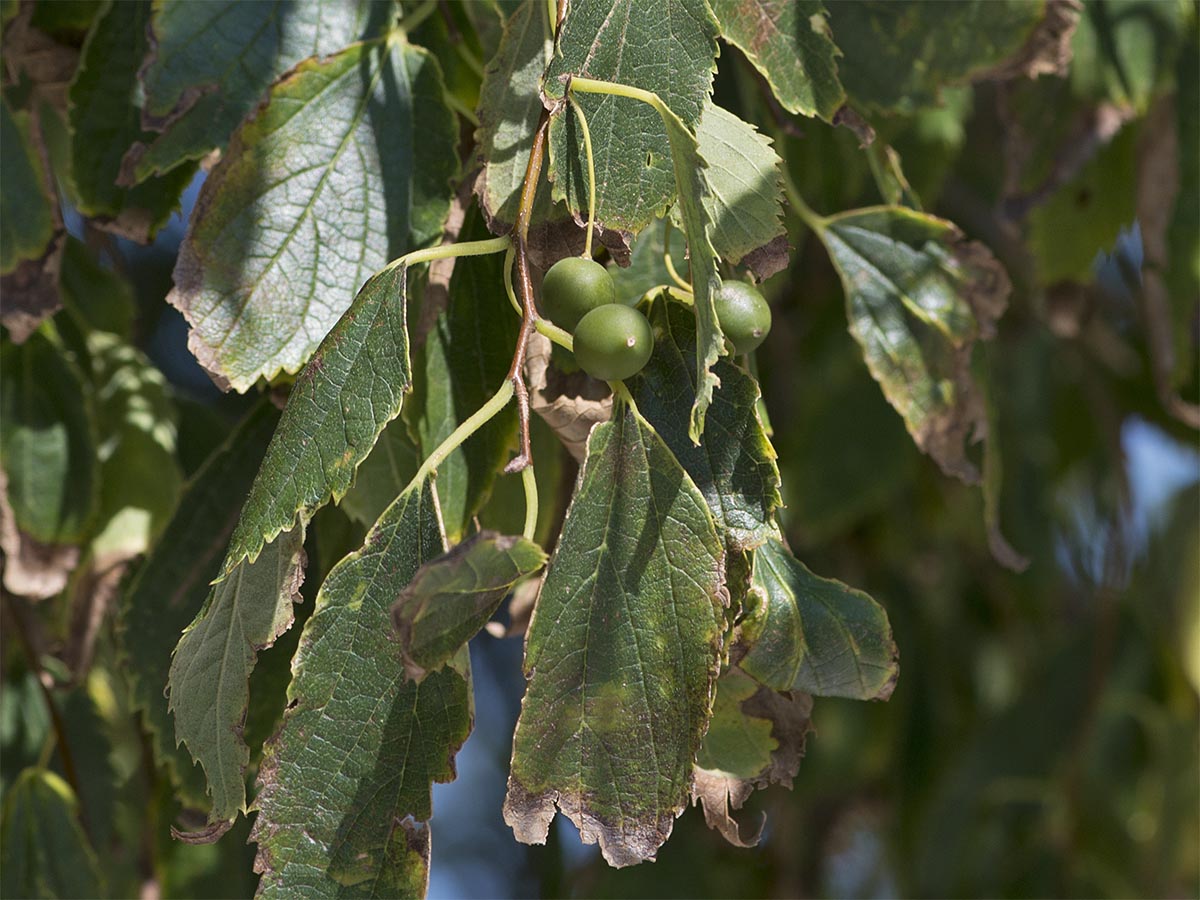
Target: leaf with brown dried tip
<point>756,738</point>
<point>622,652</point>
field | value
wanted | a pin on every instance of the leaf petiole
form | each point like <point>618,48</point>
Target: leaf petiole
<point>477,420</point>
<point>667,261</point>
<point>449,251</point>
<point>811,219</point>
<point>591,164</point>
<point>554,333</point>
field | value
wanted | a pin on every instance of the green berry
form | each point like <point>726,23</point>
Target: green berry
<point>574,287</point>
<point>743,314</point>
<point>613,342</point>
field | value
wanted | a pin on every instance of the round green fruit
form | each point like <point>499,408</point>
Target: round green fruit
<point>613,342</point>
<point>744,315</point>
<point>574,287</point>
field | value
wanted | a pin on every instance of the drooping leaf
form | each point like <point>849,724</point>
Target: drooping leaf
<point>105,120</point>
<point>811,634</point>
<point>734,464</point>
<point>208,685</point>
<point>47,442</point>
<point>465,358</point>
<point>351,388</point>
<point>344,801</point>
<point>45,852</point>
<point>622,652</point>
<point>346,166</point>
<point>756,738</point>
<point>918,297</point>
<point>789,43</point>
<point>664,46</point>
<point>745,190</point>
<point>451,598</point>
<point>171,586</point>
<point>895,56</point>
<point>212,62</point>
<point>26,217</point>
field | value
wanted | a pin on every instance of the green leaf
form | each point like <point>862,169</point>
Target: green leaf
<point>664,46</point>
<point>46,853</point>
<point>745,191</point>
<point>896,55</point>
<point>47,442</point>
<point>805,633</point>
<point>622,651</point>
<point>137,433</point>
<point>380,478</point>
<point>756,738</point>
<point>1124,50</point>
<point>344,803</point>
<point>734,464</point>
<point>918,297</point>
<point>788,41</point>
<point>1083,219</point>
<point>105,120</point>
<point>171,586</point>
<point>26,212</point>
<point>208,686</point>
<point>646,269</point>
<point>351,388</point>
<point>213,61</point>
<point>451,598</point>
<point>465,358</point>
<point>735,742</point>
<point>96,295</point>
<point>510,105</point>
<point>346,166</point>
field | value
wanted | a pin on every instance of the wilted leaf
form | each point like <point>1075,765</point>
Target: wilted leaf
<point>46,853</point>
<point>465,358</point>
<point>344,801</point>
<point>105,120</point>
<point>172,584</point>
<point>622,652</point>
<point>664,46</point>
<point>351,388</point>
<point>570,403</point>
<point>745,190</point>
<point>200,82</point>
<point>756,738</point>
<point>208,686</point>
<point>26,210</point>
<point>789,42</point>
<point>896,56</point>
<point>811,634</point>
<point>346,166</point>
<point>918,297</point>
<point>734,464</point>
<point>452,597</point>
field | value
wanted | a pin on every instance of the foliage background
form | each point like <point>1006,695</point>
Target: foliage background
<point>1043,736</point>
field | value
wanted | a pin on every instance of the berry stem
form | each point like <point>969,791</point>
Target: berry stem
<point>477,420</point>
<point>529,482</point>
<point>667,261</point>
<point>448,251</point>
